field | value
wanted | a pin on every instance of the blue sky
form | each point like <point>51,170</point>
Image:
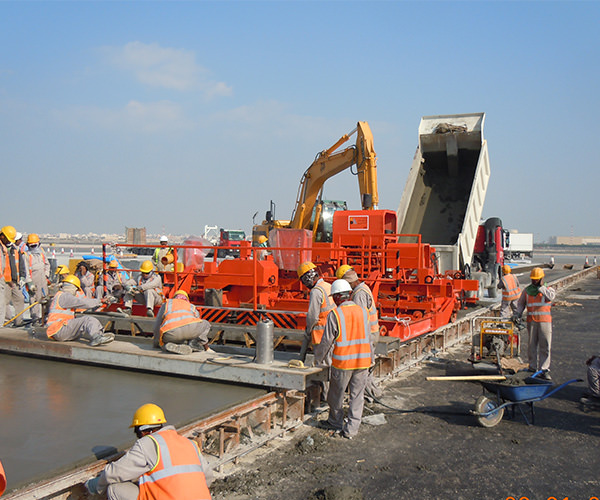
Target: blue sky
<point>173,115</point>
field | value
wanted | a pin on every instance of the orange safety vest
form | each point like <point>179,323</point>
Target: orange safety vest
<point>511,290</point>
<point>178,313</point>
<point>373,314</point>
<point>352,350</point>
<point>327,305</point>
<point>538,309</point>
<point>57,316</point>
<point>7,273</point>
<point>178,474</point>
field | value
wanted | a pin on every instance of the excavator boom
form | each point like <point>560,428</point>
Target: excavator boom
<point>329,163</point>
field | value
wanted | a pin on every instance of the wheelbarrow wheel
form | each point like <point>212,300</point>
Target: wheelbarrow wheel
<point>485,405</point>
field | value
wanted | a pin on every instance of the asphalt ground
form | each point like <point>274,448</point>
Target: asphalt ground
<point>432,448</point>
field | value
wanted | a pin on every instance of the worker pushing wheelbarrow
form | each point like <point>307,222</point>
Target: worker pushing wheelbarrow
<point>513,392</point>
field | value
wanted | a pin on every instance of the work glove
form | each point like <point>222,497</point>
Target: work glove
<point>31,287</point>
<point>92,486</point>
<point>22,282</point>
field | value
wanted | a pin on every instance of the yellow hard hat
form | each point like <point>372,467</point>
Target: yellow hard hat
<point>74,280</point>
<point>506,269</point>
<point>113,264</point>
<point>181,292</point>
<point>148,414</point>
<point>339,274</point>
<point>10,233</point>
<point>62,270</point>
<point>32,239</point>
<point>146,266</point>
<point>262,238</point>
<point>304,268</point>
<point>537,273</point>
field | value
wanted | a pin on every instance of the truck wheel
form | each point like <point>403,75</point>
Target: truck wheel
<point>485,405</point>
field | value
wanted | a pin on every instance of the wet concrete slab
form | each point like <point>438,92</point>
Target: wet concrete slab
<point>56,414</point>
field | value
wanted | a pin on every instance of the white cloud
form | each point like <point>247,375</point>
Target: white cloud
<point>169,68</point>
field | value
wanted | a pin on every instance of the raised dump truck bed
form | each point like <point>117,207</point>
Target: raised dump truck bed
<point>445,191</point>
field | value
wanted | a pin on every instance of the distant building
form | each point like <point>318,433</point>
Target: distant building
<point>574,240</point>
<point>135,235</point>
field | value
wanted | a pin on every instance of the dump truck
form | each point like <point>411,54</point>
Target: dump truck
<point>444,195</point>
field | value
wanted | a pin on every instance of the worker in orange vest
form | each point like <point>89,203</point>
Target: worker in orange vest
<point>511,291</point>
<point>164,464</point>
<point>346,342</point>
<point>363,296</point>
<point>319,305</point>
<point>178,321</point>
<point>15,273</point>
<point>62,325</point>
<point>537,298</point>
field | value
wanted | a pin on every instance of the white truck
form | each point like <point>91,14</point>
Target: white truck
<point>444,195</point>
<point>519,246</point>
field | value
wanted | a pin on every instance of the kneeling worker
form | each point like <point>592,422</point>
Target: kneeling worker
<point>163,463</point>
<point>178,322</point>
<point>62,323</point>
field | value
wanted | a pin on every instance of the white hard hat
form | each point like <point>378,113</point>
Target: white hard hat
<point>340,286</point>
<point>164,238</point>
<point>18,236</point>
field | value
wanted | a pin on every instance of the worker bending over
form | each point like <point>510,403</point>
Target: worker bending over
<point>164,464</point>
<point>319,305</point>
<point>537,298</point>
<point>346,341</point>
<point>147,291</point>
<point>511,291</point>
<point>38,273</point>
<point>177,323</point>
<point>62,325</point>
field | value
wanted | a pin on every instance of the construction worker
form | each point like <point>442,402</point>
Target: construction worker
<point>19,243</point>
<point>319,305</point>
<point>347,343</point>
<point>161,252</point>
<point>61,272</point>
<point>178,321</point>
<point>38,272</point>
<point>62,325</point>
<point>113,283</point>
<point>86,278</point>
<point>147,291</point>
<point>511,291</point>
<point>163,463</point>
<point>15,274</point>
<point>362,295</point>
<point>537,298</point>
<point>592,395</point>
<point>263,244</point>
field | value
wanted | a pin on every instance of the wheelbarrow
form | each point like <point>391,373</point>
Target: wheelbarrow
<point>490,410</point>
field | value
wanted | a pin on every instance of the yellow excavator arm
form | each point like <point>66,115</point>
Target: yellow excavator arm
<point>329,163</point>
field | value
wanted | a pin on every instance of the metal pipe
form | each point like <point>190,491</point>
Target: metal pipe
<point>264,342</point>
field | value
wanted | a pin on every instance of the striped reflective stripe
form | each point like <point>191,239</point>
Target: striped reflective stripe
<point>352,350</point>
<point>538,309</point>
